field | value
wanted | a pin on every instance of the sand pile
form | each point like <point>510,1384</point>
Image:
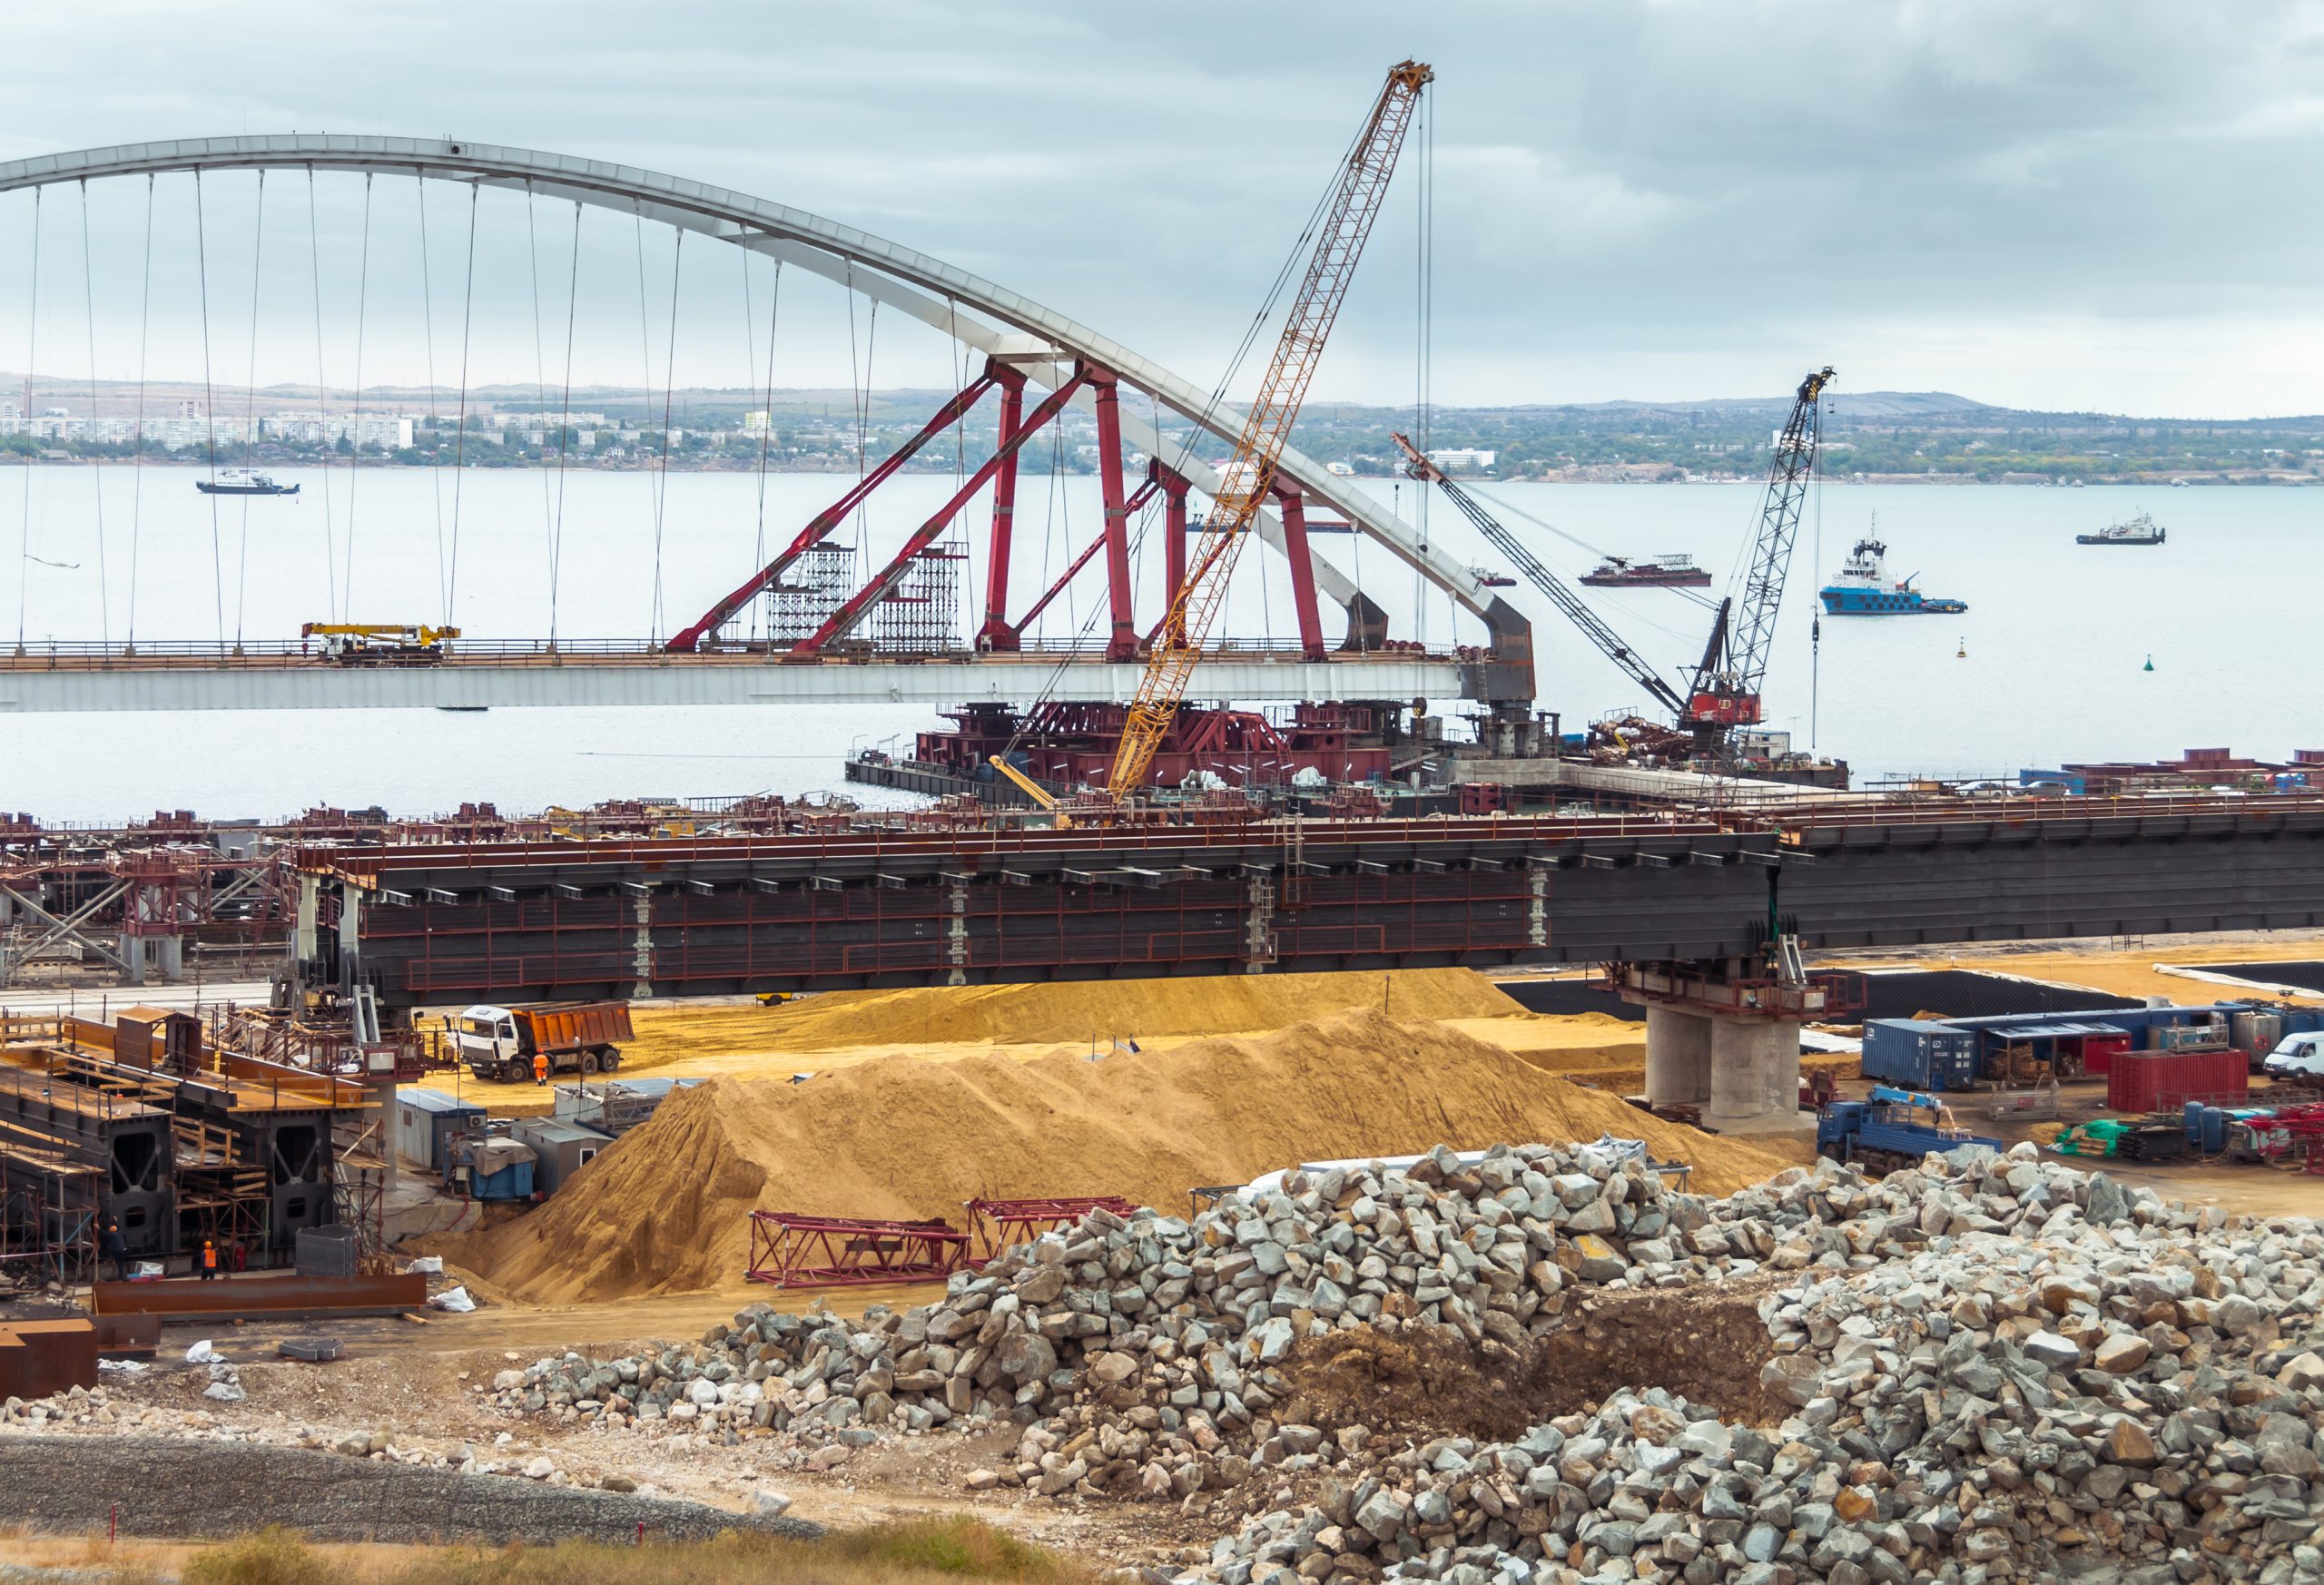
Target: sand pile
<point>1079,1010</point>
<point>664,1210</point>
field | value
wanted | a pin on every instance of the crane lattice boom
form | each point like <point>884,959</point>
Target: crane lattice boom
<point>1248,477</point>
<point>1608,641</point>
<point>1726,691</point>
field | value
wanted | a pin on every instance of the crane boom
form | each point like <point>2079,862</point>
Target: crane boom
<point>1246,480</point>
<point>1726,689</point>
<point>1608,642</point>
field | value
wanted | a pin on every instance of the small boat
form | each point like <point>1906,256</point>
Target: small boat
<point>2142,529</point>
<point>1662,572</point>
<point>241,481</point>
<point>1863,589</point>
<point>1488,578</point>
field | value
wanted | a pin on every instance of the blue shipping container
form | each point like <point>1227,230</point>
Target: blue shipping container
<point>1919,1054</point>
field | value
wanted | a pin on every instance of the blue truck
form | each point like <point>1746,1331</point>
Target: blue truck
<point>1892,1130</point>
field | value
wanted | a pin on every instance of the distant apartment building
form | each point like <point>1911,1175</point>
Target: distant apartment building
<point>1463,458</point>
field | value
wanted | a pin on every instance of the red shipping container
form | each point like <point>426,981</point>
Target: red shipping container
<point>2157,1082</point>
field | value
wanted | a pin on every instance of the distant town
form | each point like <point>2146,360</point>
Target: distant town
<point>1874,437</point>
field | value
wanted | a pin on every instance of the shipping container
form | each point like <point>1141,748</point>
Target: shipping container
<point>2154,1081</point>
<point>1920,1054</point>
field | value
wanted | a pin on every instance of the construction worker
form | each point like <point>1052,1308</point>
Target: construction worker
<point>540,1067</point>
<point>209,1260</point>
<point>112,1245</point>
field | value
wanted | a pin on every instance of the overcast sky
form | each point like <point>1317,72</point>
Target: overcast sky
<point>2082,203</point>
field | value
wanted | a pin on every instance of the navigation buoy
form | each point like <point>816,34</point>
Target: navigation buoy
<point>2150,662</point>
<point>1962,653</point>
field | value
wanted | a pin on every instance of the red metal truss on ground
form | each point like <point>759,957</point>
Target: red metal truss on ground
<point>844,620</point>
<point>686,639</point>
<point>794,1251</point>
<point>997,1224</point>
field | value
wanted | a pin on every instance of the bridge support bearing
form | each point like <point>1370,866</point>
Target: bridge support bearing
<point>642,949</point>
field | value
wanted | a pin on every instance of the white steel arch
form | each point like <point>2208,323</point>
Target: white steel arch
<point>1014,328</point>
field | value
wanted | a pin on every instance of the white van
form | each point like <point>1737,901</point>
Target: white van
<point>2297,1057</point>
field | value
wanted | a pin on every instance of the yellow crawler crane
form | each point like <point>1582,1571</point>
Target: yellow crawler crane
<point>1246,480</point>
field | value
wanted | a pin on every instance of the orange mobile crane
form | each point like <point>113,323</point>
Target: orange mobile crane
<point>1246,480</point>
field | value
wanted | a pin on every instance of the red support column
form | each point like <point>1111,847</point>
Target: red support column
<point>1122,643</point>
<point>997,633</point>
<point>1303,570</point>
<point>1174,548</point>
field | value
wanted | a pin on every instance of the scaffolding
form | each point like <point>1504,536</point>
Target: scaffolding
<point>921,614</point>
<point>814,585</point>
<point>48,1214</point>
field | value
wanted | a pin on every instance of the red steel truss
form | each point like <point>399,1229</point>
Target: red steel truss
<point>791,1250</point>
<point>997,1224</point>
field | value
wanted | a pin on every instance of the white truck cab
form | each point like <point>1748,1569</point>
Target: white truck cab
<point>486,1036</point>
<point>2297,1057</point>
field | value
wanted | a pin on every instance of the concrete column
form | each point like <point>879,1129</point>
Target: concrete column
<point>170,950</point>
<point>1754,1075</point>
<point>132,956</point>
<point>1678,1055</point>
<point>305,946</point>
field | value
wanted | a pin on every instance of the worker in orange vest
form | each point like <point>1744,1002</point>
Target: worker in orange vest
<point>209,1260</point>
<point>540,1067</point>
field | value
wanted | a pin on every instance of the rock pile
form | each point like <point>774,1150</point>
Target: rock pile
<point>1182,1318</point>
<point>2002,1370</point>
<point>1989,1367</point>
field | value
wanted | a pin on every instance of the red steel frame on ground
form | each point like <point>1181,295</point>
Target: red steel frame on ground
<point>791,1250</point>
<point>997,1224</point>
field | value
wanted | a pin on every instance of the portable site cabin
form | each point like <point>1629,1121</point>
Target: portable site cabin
<point>560,1149</point>
<point>425,1120</point>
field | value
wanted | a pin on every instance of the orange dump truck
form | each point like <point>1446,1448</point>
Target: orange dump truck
<point>576,1037</point>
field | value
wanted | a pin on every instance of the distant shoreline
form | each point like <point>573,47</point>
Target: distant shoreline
<point>1636,475</point>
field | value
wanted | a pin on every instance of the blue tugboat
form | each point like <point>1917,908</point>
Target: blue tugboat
<point>1863,589</point>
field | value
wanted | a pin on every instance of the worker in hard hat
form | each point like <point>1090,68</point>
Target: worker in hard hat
<point>540,1067</point>
<point>209,1260</point>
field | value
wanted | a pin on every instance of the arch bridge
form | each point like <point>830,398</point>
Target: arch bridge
<point>1036,361</point>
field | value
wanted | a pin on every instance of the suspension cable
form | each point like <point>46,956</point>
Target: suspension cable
<point>97,459</point>
<point>208,408</point>
<point>322,397</point>
<point>669,381</point>
<point>645,365</point>
<point>540,381</point>
<point>355,471</point>
<point>460,437</point>
<point>564,426</point>
<point>250,414</point>
<point>435,435</point>
<point>766,431</point>
<point>32,353</point>
<point>137,472</point>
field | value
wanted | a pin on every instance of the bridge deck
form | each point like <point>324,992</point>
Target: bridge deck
<point>524,920</point>
<point>287,676</point>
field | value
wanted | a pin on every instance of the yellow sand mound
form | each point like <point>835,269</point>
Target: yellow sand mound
<point>664,1210</point>
<point>1078,1010</point>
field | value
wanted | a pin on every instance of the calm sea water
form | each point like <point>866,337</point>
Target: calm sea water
<point>2057,638</point>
